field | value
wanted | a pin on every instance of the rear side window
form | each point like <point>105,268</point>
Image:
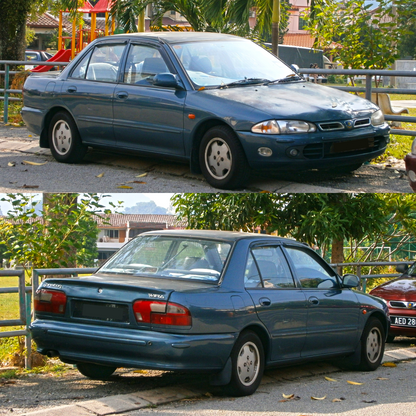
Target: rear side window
<point>81,69</point>
<point>105,62</point>
<point>266,267</point>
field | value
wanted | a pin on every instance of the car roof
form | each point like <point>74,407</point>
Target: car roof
<point>178,37</point>
<point>229,236</point>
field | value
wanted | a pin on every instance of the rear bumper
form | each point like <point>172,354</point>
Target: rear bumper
<point>123,347</point>
<point>33,119</point>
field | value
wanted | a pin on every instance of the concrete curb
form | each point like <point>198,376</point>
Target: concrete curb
<point>150,398</point>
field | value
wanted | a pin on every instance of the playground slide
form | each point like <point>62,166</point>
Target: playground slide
<point>63,55</point>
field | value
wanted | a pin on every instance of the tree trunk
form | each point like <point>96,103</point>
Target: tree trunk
<point>13,18</point>
<point>337,253</point>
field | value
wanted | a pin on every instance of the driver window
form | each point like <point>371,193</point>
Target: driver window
<point>143,63</point>
<point>310,271</point>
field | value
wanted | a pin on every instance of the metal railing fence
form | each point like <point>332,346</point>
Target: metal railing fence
<point>25,301</point>
<point>368,73</point>
<point>26,292</point>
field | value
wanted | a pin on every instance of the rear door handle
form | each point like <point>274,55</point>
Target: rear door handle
<point>72,89</point>
<point>265,301</point>
<point>314,301</point>
<point>122,94</point>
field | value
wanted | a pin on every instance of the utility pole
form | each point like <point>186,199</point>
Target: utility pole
<point>275,27</point>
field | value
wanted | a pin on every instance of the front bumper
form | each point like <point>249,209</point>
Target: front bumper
<point>315,150</point>
<point>123,347</point>
<point>410,161</point>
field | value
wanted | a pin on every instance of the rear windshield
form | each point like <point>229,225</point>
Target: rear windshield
<point>170,257</point>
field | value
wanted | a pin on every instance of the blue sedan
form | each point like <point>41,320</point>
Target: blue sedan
<point>219,102</point>
<point>226,303</point>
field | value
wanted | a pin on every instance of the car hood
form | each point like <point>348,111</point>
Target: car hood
<point>398,289</point>
<point>298,100</point>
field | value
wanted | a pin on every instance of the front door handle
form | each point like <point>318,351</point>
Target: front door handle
<point>122,95</point>
<point>72,89</point>
<point>313,301</point>
<point>265,301</point>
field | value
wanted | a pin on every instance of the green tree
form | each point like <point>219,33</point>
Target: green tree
<point>64,235</point>
<point>357,36</point>
<point>323,220</point>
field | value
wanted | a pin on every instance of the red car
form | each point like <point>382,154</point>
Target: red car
<point>400,295</point>
<point>410,160</point>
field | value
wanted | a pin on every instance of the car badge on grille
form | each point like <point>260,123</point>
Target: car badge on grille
<point>100,290</point>
<point>410,305</point>
<point>349,124</point>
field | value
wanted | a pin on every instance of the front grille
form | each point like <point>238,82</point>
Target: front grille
<point>332,126</point>
<point>362,122</point>
<point>402,304</point>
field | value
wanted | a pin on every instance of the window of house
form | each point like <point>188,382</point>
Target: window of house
<point>111,233</point>
<point>302,23</point>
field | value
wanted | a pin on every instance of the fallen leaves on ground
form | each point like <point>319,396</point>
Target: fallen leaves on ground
<point>318,398</point>
<point>354,383</point>
<point>28,162</point>
<point>330,379</point>
<point>11,164</point>
<point>289,397</point>
<point>389,364</point>
<point>369,401</point>
<point>100,175</point>
<point>338,400</point>
<point>142,175</point>
<point>124,187</point>
<point>30,186</point>
<point>381,378</point>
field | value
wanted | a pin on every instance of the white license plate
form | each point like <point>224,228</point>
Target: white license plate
<point>403,321</point>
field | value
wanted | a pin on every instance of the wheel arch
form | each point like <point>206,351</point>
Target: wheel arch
<point>44,140</point>
<point>264,336</point>
<point>197,137</point>
<point>382,319</point>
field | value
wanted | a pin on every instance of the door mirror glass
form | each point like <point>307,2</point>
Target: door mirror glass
<point>350,281</point>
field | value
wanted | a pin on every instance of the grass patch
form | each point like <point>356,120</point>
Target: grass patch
<point>9,374</point>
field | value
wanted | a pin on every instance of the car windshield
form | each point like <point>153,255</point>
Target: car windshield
<point>233,63</point>
<point>170,257</point>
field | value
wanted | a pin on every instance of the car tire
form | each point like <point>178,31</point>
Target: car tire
<point>222,159</point>
<point>247,361</point>
<point>64,139</point>
<point>95,371</point>
<point>372,345</point>
<point>390,338</point>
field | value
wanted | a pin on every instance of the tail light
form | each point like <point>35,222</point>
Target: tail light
<point>52,301</point>
<point>162,313</point>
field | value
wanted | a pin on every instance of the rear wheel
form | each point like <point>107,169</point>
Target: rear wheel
<point>247,359</point>
<point>64,139</point>
<point>372,345</point>
<point>95,371</point>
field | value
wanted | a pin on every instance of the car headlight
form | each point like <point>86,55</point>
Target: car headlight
<point>377,118</point>
<point>414,147</point>
<point>283,127</point>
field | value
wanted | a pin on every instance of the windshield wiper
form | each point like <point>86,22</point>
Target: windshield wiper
<point>246,81</point>
<point>288,78</point>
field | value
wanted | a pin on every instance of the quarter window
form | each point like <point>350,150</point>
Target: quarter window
<point>81,69</point>
<point>310,270</point>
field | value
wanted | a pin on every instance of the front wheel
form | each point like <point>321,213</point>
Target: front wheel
<point>95,371</point>
<point>64,139</point>
<point>222,159</point>
<point>372,345</point>
<point>247,360</point>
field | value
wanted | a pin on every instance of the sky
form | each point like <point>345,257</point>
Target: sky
<point>129,200</point>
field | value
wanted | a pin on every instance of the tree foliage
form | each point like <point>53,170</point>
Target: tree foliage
<point>356,35</point>
<point>321,220</point>
<point>64,235</point>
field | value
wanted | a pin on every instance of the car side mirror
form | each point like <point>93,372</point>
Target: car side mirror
<point>168,80</point>
<point>402,268</point>
<point>294,68</point>
<point>350,281</point>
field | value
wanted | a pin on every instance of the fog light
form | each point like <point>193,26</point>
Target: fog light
<point>412,175</point>
<point>293,152</point>
<point>265,151</point>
